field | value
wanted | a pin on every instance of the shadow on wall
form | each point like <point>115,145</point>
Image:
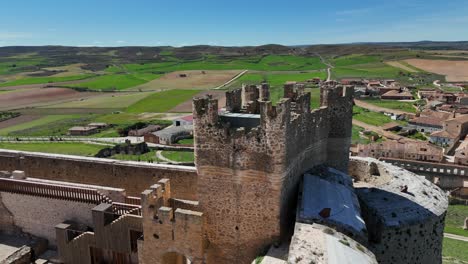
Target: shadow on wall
<point>401,230</point>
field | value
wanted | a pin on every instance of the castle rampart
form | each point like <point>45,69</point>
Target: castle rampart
<point>241,168</point>
<point>134,177</point>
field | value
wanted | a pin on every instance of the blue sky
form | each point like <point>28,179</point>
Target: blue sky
<point>228,23</point>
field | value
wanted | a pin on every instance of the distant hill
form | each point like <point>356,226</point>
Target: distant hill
<point>99,57</point>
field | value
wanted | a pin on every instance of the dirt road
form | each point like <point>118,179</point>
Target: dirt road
<point>378,108</point>
<point>380,131</point>
<point>457,237</point>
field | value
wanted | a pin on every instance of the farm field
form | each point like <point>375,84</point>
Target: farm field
<point>186,107</point>
<point>49,79</point>
<point>37,97</point>
<point>106,100</point>
<point>78,149</point>
<point>370,117</point>
<point>162,101</point>
<point>44,126</point>
<point>116,81</point>
<point>402,65</point>
<point>195,79</point>
<point>455,71</point>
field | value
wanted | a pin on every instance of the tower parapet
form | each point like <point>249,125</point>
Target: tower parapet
<point>253,157</point>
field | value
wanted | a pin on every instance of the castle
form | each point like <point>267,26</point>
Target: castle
<point>270,180</point>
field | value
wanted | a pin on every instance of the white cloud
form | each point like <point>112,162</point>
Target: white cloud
<point>121,41</point>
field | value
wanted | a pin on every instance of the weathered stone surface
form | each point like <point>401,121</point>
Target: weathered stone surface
<point>404,227</point>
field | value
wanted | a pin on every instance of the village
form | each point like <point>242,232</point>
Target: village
<point>435,132</point>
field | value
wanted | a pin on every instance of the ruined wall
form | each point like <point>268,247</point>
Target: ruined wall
<point>38,216</point>
<point>132,176</point>
<point>169,234</point>
<point>404,225</point>
<point>241,170</point>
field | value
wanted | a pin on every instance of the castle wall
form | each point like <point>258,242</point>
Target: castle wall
<point>132,176</point>
<point>38,216</point>
<point>241,170</point>
<point>7,223</point>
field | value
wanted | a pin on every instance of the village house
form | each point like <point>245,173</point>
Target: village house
<point>454,129</point>
<point>413,150</point>
<point>82,131</point>
<point>429,121</point>
<point>354,81</point>
<point>183,121</point>
<point>397,95</point>
<point>98,125</point>
<point>143,131</point>
<point>461,155</point>
<point>169,135</point>
<point>315,80</point>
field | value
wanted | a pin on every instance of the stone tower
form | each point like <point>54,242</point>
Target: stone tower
<point>250,159</point>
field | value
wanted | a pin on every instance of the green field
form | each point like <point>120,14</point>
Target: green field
<point>355,59</point>
<point>162,101</point>
<point>44,122</point>
<point>456,214</point>
<point>58,148</point>
<point>455,251</point>
<point>187,141</point>
<point>178,156</point>
<point>116,81</point>
<point>370,117</point>
<point>390,104</point>
<point>39,80</point>
<point>261,63</point>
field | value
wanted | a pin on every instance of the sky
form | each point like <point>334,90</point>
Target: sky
<point>229,23</point>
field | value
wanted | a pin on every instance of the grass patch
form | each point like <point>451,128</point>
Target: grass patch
<point>455,251</point>
<point>117,81</point>
<point>179,156</point>
<point>147,157</point>
<point>369,70</point>
<point>57,148</point>
<point>187,141</point>
<point>454,220</point>
<point>39,80</point>
<point>390,104</point>
<point>162,101</point>
<point>370,117</point>
<point>356,136</point>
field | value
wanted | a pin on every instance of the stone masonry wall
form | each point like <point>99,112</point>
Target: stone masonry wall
<point>131,176</point>
<point>252,175</point>
<point>38,216</point>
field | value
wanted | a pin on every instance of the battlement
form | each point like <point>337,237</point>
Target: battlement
<point>165,227</point>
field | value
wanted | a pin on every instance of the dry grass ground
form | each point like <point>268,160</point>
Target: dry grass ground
<point>186,107</point>
<point>398,64</point>
<point>195,79</point>
<point>69,70</point>
<point>455,71</point>
<point>37,97</point>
